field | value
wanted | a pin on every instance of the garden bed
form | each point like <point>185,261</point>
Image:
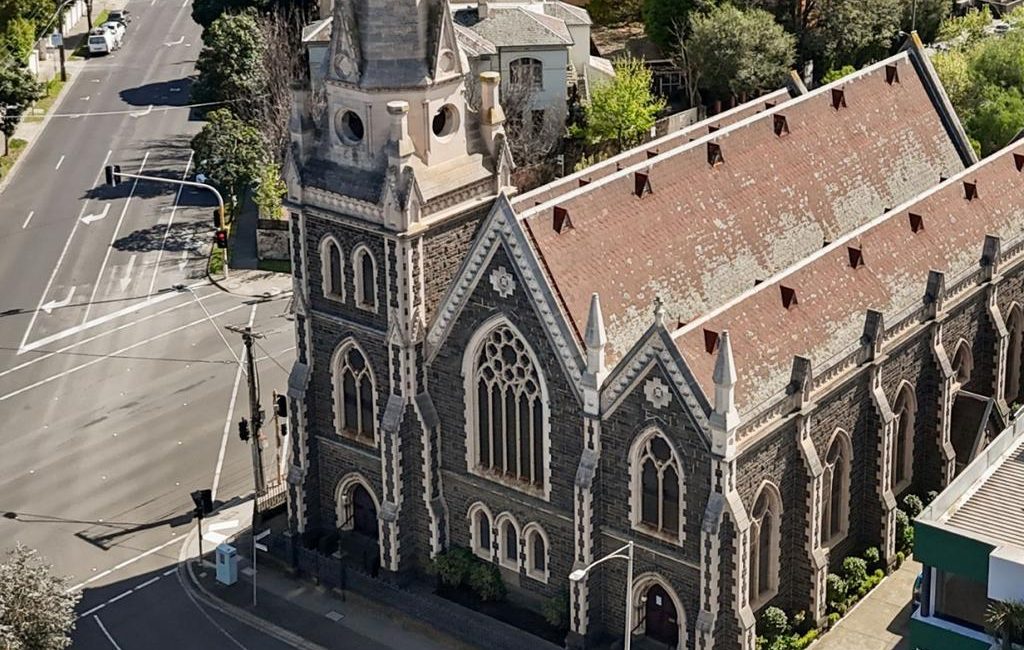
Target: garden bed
<point>517,616</point>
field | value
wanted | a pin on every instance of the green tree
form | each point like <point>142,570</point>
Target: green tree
<point>615,12</point>
<point>732,51</point>
<point>954,70</point>
<point>925,17</point>
<point>964,31</point>
<point>838,73</point>
<point>230,151</point>
<point>18,89</point>
<point>230,63</point>
<point>622,110</point>
<point>852,32</point>
<point>17,39</point>
<point>1007,621</point>
<point>269,190</point>
<point>998,119</point>
<point>205,12</point>
<point>36,610</point>
<point>664,20</point>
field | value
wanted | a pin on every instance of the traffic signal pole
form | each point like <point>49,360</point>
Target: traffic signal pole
<point>255,411</point>
<point>114,175</point>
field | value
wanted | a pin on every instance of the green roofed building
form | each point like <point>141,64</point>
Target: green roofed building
<point>971,543</point>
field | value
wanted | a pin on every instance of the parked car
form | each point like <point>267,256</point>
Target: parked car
<point>101,41</point>
<point>117,29</point>
<point>122,16</point>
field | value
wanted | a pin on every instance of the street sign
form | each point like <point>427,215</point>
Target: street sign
<point>257,538</point>
<point>56,40</point>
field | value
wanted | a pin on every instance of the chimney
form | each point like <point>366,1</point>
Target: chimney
<point>399,140</point>
<point>481,9</point>
<point>725,419</point>
<point>492,117</point>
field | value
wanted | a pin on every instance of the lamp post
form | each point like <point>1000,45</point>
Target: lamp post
<point>624,553</point>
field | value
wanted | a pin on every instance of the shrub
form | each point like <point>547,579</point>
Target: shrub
<point>801,623</point>
<point>871,556</point>
<point>453,566</point>
<point>904,532</point>
<point>485,580</point>
<point>855,571</point>
<point>556,610</point>
<point>928,498</point>
<point>774,623</point>
<point>900,557</point>
<point>807,639</point>
<point>832,619</point>
<point>912,505</point>
<point>835,590</point>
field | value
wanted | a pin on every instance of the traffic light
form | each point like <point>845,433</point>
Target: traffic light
<point>204,502</point>
<point>222,238</point>
<point>281,406</point>
<point>243,430</point>
<point>112,173</point>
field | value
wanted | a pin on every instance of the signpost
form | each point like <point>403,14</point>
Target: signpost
<point>256,546</point>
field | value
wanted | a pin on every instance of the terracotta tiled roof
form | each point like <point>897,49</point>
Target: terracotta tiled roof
<point>649,151</point>
<point>704,232</point>
<point>891,273</point>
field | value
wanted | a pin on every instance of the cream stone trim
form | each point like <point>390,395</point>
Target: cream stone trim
<point>337,361</point>
<point>331,292</point>
<point>1011,378</point>
<point>636,454</point>
<point>361,251</point>
<point>344,508</point>
<point>963,363</point>
<point>641,586</point>
<point>473,514</point>
<point>529,532</point>
<point>499,525</point>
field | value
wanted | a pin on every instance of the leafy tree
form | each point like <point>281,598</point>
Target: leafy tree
<point>230,63</point>
<point>622,110</point>
<point>836,74</point>
<point>18,89</point>
<point>732,51</point>
<point>614,12</point>
<point>925,17</point>
<point>36,612</point>
<point>998,119</point>
<point>17,38</point>
<point>853,32</point>
<point>1000,61</point>
<point>269,190</point>
<point>954,70</point>
<point>664,19</point>
<point>205,12</point>
<point>964,31</point>
<point>1007,621</point>
<point>230,151</point>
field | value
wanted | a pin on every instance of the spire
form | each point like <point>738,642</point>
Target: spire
<point>595,340</point>
<point>725,419</point>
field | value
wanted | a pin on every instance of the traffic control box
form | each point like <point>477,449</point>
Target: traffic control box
<point>227,564</point>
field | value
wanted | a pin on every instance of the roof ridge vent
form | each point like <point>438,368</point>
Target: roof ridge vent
<point>788,296</point>
<point>838,98</point>
<point>892,74</point>
<point>970,190</point>
<point>710,341</point>
<point>856,255</point>
<point>641,183</point>
<point>715,154</point>
<point>780,124</point>
<point>561,221</point>
<point>1018,160</point>
<point>713,127</point>
<point>651,153</point>
<point>916,221</point>
<point>769,106</point>
<point>584,182</point>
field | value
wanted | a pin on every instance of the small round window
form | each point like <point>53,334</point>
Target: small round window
<point>445,121</point>
<point>349,127</point>
<point>447,59</point>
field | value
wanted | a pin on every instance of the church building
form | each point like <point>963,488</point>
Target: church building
<point>737,346</point>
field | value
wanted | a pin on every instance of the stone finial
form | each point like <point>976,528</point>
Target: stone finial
<point>874,332</point>
<point>991,256</point>
<point>492,117</point>
<point>935,293</point>
<point>399,112</point>
<point>595,340</point>
<point>725,419</point>
<point>659,311</point>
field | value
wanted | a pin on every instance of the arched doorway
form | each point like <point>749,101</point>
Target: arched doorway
<point>661,621</point>
<point>364,512</point>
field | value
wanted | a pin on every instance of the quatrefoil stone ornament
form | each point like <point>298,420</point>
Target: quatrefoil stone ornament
<point>657,393</point>
<point>503,282</point>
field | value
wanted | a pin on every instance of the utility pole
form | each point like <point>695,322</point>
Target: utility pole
<point>255,412</point>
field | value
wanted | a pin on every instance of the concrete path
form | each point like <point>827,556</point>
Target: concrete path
<point>881,620</point>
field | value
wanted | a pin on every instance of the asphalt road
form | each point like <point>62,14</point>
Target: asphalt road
<point>119,394</point>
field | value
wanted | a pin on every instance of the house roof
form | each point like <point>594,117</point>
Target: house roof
<point>705,233</point>
<point>318,31</point>
<point>518,27</point>
<point>883,265</point>
<point>473,44</point>
<point>568,13</point>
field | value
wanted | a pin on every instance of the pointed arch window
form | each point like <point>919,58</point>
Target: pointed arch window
<point>506,406</point>
<point>963,363</point>
<point>508,541</point>
<point>835,500</point>
<point>765,523</point>
<point>536,548</point>
<point>656,505</point>
<point>1014,356</point>
<point>355,397</point>
<point>333,270</point>
<point>480,530</point>
<point>365,269</point>
<point>901,468</point>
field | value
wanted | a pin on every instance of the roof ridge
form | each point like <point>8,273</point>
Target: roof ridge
<point>709,137</point>
<point>843,241</point>
<point>536,17</point>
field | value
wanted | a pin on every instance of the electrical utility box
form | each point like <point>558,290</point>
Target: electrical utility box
<point>227,564</point>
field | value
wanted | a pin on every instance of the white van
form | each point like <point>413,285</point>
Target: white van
<point>101,41</point>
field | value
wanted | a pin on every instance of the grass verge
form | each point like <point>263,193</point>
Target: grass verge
<point>277,266</point>
<point>43,106</point>
<point>16,146</point>
<point>216,266</point>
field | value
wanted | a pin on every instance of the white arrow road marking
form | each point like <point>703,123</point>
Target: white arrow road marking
<point>149,109</point>
<point>175,89</point>
<point>89,218</point>
<point>56,304</point>
<point>85,99</point>
<point>127,278</point>
<point>177,42</point>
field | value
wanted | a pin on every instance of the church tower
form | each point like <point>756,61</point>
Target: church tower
<point>390,171</point>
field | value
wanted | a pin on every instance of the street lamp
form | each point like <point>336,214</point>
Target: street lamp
<point>624,553</point>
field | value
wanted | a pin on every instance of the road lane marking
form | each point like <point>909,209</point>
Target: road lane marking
<point>228,421</point>
<point>104,574</point>
<point>169,571</point>
<point>113,238</point>
<point>91,611</point>
<point>167,230</point>
<point>59,163</point>
<point>114,354</point>
<point>27,219</point>
<point>127,278</point>
<point>223,525</point>
<point>119,597</point>
<point>57,304</point>
<point>177,42</point>
<point>89,218</point>
<point>105,633</point>
<point>60,260</point>
<point>84,98</point>
<point>148,582</point>
<point>149,109</point>
<point>131,309</point>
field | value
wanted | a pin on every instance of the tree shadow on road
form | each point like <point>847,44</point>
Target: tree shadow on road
<point>176,92</point>
<point>178,237</point>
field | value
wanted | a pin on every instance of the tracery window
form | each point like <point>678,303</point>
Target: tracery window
<point>508,438</point>
<point>657,480</point>
<point>963,363</point>
<point>903,444</point>
<point>365,269</point>
<point>526,72</point>
<point>836,496</point>
<point>1014,350</point>
<point>764,545</point>
<point>332,270</point>
<point>354,394</point>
